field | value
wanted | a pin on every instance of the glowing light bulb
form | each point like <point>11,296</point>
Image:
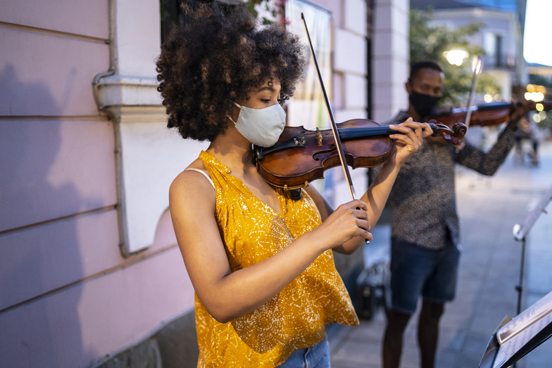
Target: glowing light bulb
<point>456,57</point>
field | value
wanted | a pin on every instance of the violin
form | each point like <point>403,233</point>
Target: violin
<point>301,156</point>
<point>490,114</point>
<point>357,142</point>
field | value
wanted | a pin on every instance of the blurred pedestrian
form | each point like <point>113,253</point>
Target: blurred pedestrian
<point>528,131</point>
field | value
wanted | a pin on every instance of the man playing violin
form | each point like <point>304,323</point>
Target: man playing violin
<point>425,232</point>
<point>261,263</point>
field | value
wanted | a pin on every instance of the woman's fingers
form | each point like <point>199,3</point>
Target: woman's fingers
<point>360,214</point>
<point>358,210</point>
<point>406,128</point>
<point>363,224</point>
<point>414,134</point>
<point>421,130</point>
<point>368,235</point>
<point>417,132</point>
<point>427,131</point>
<point>404,140</point>
<point>357,204</point>
<point>349,220</point>
<point>417,129</point>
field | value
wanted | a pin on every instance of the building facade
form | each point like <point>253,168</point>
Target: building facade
<point>501,36</point>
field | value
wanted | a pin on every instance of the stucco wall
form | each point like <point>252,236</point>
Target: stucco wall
<point>390,64</point>
<point>67,296</point>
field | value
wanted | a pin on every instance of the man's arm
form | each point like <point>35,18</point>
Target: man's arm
<point>488,163</point>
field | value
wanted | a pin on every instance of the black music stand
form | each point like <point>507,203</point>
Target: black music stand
<point>518,346</point>
<point>545,332</point>
<point>520,234</point>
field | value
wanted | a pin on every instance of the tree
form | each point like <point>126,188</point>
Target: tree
<point>540,80</point>
<point>431,42</point>
<point>270,8</point>
<point>273,9</point>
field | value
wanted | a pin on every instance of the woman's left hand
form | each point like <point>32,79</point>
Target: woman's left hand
<point>409,141</point>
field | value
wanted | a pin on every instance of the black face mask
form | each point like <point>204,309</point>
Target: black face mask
<point>423,104</point>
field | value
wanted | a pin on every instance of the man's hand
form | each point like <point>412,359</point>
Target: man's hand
<point>519,109</point>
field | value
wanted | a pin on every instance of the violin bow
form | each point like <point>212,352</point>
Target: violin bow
<point>332,119</point>
<point>477,66</point>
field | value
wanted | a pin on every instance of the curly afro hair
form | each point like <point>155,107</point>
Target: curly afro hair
<point>215,59</point>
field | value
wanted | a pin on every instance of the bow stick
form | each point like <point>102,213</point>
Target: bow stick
<point>330,112</point>
<point>332,120</point>
<point>476,71</point>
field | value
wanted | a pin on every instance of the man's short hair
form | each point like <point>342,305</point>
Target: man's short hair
<point>427,64</point>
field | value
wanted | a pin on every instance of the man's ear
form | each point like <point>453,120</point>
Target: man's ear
<point>408,87</point>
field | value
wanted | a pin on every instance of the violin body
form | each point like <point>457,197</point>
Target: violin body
<point>494,113</point>
<point>301,156</point>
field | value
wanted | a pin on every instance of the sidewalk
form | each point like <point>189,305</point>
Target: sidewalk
<point>489,271</point>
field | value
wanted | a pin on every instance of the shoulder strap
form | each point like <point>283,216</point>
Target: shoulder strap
<point>202,172</point>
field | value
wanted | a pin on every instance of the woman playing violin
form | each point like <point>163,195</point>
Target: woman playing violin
<point>261,264</point>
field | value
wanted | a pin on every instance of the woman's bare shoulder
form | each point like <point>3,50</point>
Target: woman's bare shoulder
<point>191,185</point>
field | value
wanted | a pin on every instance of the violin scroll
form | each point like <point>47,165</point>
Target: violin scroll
<point>454,135</point>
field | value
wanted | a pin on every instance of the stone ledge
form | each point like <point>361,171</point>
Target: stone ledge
<point>123,90</point>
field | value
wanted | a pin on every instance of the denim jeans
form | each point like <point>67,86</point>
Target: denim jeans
<point>317,356</point>
<point>416,271</point>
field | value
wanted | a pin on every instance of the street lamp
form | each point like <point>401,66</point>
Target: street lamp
<point>456,57</point>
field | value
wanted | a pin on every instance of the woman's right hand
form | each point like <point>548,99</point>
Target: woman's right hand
<point>350,220</point>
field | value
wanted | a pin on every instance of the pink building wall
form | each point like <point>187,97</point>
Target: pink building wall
<point>67,296</point>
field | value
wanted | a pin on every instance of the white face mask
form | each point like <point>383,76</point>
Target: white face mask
<point>262,127</point>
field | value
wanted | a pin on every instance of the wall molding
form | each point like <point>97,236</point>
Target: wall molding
<point>148,156</point>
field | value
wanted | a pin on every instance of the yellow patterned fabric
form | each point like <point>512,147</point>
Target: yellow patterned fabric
<point>296,317</point>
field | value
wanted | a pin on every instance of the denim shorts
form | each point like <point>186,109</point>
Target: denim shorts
<point>317,356</point>
<point>419,271</point>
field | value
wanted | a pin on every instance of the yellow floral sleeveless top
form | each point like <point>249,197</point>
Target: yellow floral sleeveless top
<point>295,318</point>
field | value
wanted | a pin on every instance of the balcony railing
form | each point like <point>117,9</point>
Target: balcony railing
<point>503,62</point>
